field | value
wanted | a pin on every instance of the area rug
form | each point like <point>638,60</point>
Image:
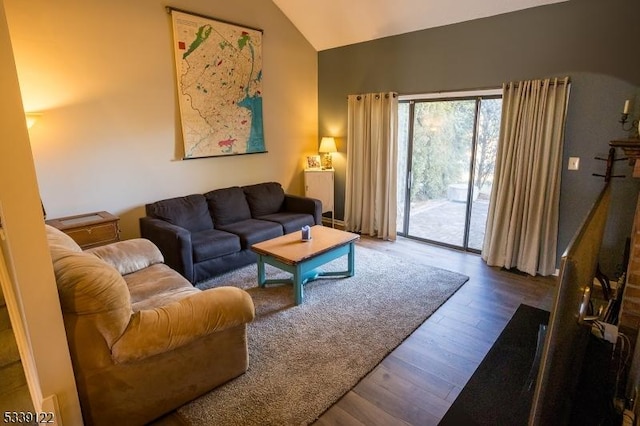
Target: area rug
<point>303,358</point>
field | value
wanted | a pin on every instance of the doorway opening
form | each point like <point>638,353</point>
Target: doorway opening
<point>447,146</point>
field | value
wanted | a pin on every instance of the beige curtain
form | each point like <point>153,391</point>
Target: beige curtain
<point>522,224</point>
<point>372,150</point>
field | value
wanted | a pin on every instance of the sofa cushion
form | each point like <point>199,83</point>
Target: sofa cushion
<point>87,286</point>
<point>213,243</point>
<point>264,198</point>
<point>168,287</point>
<point>129,256</point>
<point>253,231</point>
<point>291,222</point>
<point>188,212</point>
<point>228,205</point>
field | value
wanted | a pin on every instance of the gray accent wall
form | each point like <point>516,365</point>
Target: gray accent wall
<point>595,42</point>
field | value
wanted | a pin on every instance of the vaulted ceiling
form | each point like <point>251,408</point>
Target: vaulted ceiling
<point>333,23</point>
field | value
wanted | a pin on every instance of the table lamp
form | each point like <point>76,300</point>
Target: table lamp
<point>327,146</point>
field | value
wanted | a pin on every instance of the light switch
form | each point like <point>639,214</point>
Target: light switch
<point>574,163</point>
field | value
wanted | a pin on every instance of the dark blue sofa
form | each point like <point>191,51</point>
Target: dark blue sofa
<point>204,235</point>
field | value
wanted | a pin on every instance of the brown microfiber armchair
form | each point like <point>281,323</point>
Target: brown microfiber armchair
<point>143,340</point>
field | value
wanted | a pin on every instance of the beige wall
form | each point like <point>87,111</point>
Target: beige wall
<point>102,75</point>
<point>31,292</point>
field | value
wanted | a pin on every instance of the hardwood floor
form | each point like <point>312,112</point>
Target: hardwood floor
<point>417,383</point>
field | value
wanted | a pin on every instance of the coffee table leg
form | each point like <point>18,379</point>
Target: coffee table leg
<point>306,271</point>
<point>297,285</point>
<point>351,260</point>
<point>261,271</point>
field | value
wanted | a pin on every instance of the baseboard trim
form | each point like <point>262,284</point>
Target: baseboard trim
<point>327,221</point>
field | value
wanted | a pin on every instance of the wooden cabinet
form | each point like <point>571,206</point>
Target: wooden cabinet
<point>319,184</point>
<point>90,229</point>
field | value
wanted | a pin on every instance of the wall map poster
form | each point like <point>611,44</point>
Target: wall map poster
<point>219,82</point>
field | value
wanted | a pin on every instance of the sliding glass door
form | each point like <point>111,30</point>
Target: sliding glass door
<point>447,149</point>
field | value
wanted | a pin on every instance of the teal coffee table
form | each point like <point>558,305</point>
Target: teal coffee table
<point>302,258</point>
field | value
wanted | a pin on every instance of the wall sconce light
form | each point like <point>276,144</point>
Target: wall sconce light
<point>635,124</point>
<point>327,146</point>
<point>31,118</point>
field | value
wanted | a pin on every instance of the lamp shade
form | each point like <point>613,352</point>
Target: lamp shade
<point>328,144</point>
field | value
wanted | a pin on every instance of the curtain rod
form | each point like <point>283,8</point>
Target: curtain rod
<point>458,94</point>
<point>386,95</point>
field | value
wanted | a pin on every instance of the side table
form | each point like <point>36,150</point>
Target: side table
<point>319,184</point>
<point>89,229</point>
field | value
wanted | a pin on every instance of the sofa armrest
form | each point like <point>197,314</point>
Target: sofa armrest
<point>298,204</point>
<point>159,330</point>
<point>130,255</point>
<point>173,241</point>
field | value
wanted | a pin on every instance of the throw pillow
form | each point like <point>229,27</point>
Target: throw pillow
<point>228,205</point>
<point>188,212</point>
<point>264,198</point>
